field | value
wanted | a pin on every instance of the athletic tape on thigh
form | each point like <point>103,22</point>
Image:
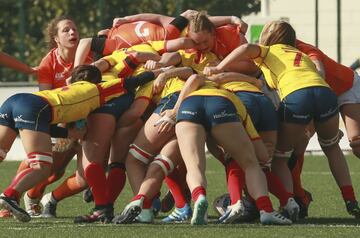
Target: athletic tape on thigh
<point>332,141</point>
<point>283,154</point>
<point>165,163</point>
<point>140,154</point>
<point>37,157</point>
<point>3,154</point>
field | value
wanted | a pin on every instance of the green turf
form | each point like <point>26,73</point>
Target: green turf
<point>328,217</point>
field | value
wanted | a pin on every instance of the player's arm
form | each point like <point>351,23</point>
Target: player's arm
<point>179,44</point>
<point>82,51</point>
<point>134,112</point>
<point>12,62</point>
<point>243,52</point>
<point>169,116</point>
<point>355,65</point>
<point>167,59</point>
<point>149,17</point>
<point>235,77</point>
<point>234,20</point>
<point>319,66</point>
<point>160,81</point>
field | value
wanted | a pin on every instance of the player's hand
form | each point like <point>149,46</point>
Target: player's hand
<point>242,25</point>
<point>152,64</point>
<point>159,83</point>
<point>119,21</point>
<point>216,78</point>
<point>212,70</point>
<point>189,14</point>
<point>167,122</point>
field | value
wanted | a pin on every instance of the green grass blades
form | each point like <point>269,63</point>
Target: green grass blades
<point>327,213</point>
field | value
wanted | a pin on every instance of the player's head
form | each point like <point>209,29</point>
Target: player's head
<point>278,32</point>
<point>87,73</point>
<point>62,32</point>
<point>202,31</point>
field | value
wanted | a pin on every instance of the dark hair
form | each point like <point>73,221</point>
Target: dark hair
<point>89,73</point>
<point>200,22</point>
<point>52,29</point>
<point>278,32</point>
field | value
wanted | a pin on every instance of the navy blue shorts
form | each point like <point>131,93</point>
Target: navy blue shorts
<point>208,111</point>
<point>116,106</point>
<point>303,105</point>
<point>167,103</point>
<point>26,111</point>
<point>261,110</point>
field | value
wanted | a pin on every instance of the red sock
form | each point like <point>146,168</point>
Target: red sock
<point>264,203</point>
<point>96,179</point>
<point>348,193</point>
<point>146,202</point>
<point>296,176</point>
<point>174,185</point>
<point>277,188</point>
<point>68,188</point>
<point>12,193</point>
<point>38,190</point>
<point>197,192</point>
<point>115,180</point>
<point>235,177</point>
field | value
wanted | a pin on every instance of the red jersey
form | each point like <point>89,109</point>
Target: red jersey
<point>228,38</point>
<point>339,77</point>
<point>135,33</point>
<point>54,70</point>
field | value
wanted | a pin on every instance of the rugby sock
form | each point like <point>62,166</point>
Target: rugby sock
<point>23,165</point>
<point>38,190</point>
<point>19,177</point>
<point>276,187</point>
<point>235,177</point>
<point>296,176</point>
<point>174,185</point>
<point>348,193</point>
<point>115,180</point>
<point>96,179</point>
<point>264,203</point>
<point>68,188</point>
<point>146,202</point>
<point>200,190</point>
<point>12,193</point>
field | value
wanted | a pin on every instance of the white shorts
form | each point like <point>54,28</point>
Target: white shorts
<point>352,95</point>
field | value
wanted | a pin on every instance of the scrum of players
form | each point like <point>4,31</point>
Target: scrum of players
<point>140,101</point>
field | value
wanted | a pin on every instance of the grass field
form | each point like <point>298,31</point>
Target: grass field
<point>328,217</point>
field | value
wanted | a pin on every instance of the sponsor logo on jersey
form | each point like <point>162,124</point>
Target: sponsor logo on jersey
<point>3,115</point>
<point>20,119</point>
<point>189,112</point>
<point>224,114</point>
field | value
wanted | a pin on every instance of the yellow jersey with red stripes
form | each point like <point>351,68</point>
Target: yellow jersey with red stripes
<point>54,70</point>
<point>287,69</point>
<point>124,64</point>
<point>198,60</point>
<point>211,89</point>
<point>76,101</point>
<point>338,76</point>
